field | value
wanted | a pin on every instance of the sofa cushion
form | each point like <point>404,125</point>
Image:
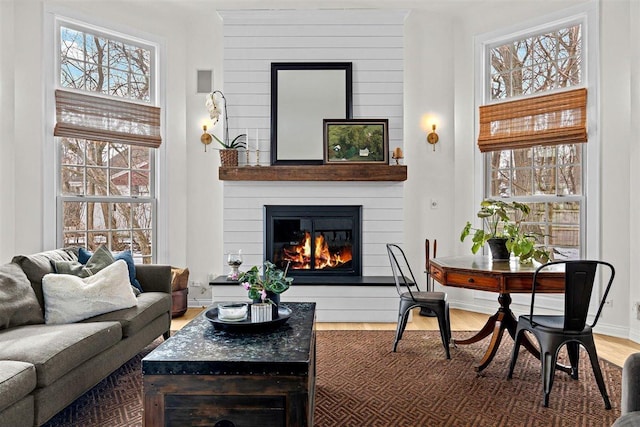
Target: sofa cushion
<point>179,279</point>
<point>150,306</point>
<point>55,350</point>
<point>84,256</point>
<point>17,379</point>
<point>18,302</point>
<point>37,265</point>
<point>99,260</point>
<point>69,298</point>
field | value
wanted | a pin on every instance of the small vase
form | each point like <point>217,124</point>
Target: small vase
<point>275,302</point>
<point>499,250</point>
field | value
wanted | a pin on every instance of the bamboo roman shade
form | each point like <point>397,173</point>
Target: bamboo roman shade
<point>91,117</point>
<point>559,118</point>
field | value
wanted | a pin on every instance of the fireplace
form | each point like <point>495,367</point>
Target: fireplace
<point>314,240</point>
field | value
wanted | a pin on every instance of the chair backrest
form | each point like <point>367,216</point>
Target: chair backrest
<point>579,277</point>
<point>402,273</point>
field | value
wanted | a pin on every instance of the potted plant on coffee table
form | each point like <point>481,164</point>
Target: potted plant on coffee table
<point>266,287</point>
<point>503,231</point>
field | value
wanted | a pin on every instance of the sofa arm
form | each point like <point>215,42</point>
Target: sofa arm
<point>631,384</point>
<point>154,277</point>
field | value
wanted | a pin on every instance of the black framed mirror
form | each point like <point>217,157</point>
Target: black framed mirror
<point>303,94</point>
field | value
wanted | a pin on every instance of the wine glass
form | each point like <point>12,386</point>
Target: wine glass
<point>234,259</point>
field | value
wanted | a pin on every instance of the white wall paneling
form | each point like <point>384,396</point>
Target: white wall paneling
<point>333,303</point>
<point>373,41</point>
<point>382,215</point>
<point>382,222</point>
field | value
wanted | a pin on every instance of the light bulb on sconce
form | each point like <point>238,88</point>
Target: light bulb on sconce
<point>205,138</point>
<point>432,137</point>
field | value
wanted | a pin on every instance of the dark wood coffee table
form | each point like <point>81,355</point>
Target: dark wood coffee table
<point>204,376</point>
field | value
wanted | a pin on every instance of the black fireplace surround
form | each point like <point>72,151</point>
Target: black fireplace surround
<point>314,240</point>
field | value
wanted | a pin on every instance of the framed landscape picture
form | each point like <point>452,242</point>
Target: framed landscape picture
<point>356,141</point>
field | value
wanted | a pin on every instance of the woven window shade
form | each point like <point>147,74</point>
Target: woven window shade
<point>96,118</point>
<point>559,118</point>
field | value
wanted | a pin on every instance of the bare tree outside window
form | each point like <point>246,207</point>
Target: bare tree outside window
<point>540,176</point>
<point>539,63</point>
<point>106,188</point>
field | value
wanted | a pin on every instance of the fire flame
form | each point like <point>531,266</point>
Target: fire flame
<point>300,255</point>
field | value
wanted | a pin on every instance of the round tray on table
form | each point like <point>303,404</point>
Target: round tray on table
<point>247,325</point>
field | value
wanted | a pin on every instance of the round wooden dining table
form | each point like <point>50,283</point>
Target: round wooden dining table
<point>502,277</point>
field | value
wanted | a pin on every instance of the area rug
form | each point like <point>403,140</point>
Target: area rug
<point>361,383</point>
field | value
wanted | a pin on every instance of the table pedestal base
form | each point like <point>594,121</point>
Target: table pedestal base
<point>495,326</point>
<point>484,274</point>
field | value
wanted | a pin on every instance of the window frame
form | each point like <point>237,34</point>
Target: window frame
<point>530,32</point>
<point>151,199</point>
<point>53,199</point>
<point>111,35</point>
<point>587,15</point>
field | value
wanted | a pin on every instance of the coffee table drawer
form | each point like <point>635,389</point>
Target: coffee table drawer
<point>473,281</point>
<point>225,411</point>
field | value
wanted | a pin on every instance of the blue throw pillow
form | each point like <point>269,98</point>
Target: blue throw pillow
<point>84,256</point>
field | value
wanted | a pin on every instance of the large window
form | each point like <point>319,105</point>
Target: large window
<point>549,178</point>
<point>106,189</point>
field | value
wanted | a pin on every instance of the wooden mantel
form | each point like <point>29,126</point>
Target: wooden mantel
<point>352,172</point>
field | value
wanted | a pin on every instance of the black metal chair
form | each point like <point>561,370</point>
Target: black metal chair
<point>434,301</point>
<point>570,329</point>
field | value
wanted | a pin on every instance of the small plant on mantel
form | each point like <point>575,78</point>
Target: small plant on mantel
<point>229,153</point>
<point>214,113</point>
<point>503,220</point>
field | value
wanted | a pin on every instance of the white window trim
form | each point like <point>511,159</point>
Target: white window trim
<point>588,15</point>
<point>52,236</point>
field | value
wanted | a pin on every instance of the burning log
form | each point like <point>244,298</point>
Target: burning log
<point>300,256</point>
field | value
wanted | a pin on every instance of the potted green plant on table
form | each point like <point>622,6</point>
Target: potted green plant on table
<point>266,287</point>
<point>229,152</point>
<point>503,231</point>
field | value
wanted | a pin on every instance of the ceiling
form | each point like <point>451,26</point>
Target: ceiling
<point>432,5</point>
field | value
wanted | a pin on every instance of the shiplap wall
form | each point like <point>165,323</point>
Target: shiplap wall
<point>373,41</point>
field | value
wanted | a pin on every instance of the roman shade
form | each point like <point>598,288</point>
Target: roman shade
<point>558,118</point>
<point>92,117</point>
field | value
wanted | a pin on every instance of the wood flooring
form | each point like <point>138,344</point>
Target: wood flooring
<point>613,349</point>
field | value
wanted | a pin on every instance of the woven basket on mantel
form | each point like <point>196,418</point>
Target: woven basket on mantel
<point>228,158</point>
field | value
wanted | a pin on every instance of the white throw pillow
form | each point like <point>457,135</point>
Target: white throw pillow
<point>68,298</point>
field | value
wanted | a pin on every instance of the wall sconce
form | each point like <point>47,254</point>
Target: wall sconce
<point>432,137</point>
<point>205,138</point>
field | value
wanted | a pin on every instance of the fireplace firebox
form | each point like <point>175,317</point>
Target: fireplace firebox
<point>314,240</point>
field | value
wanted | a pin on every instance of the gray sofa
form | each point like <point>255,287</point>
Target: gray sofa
<point>630,405</point>
<point>45,367</point>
